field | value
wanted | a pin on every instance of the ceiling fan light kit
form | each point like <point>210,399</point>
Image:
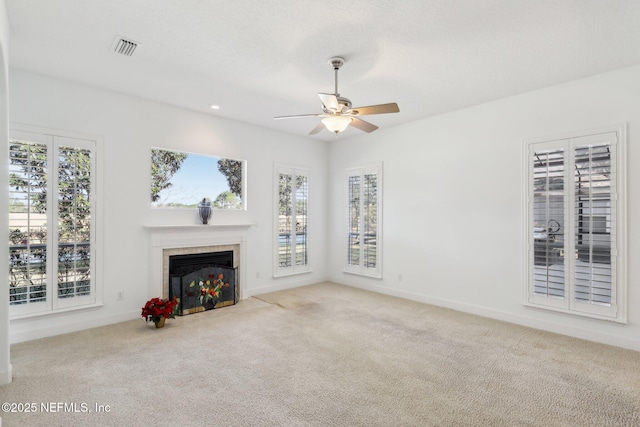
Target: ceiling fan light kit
<point>337,111</point>
<point>337,124</point>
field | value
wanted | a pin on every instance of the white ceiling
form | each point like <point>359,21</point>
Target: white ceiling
<point>258,59</point>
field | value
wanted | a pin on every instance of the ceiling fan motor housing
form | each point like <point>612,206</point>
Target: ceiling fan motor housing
<point>344,106</point>
<point>336,62</point>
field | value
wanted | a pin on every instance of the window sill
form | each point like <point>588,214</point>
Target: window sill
<point>372,275</point>
<point>291,273</point>
<point>622,321</point>
<point>55,312</point>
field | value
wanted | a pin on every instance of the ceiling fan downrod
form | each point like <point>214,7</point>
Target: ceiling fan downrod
<point>336,62</point>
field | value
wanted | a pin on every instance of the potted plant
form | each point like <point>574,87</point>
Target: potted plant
<point>157,310</point>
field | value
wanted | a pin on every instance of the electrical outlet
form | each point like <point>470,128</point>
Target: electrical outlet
<point>400,277</point>
<point>257,275</point>
<point>120,295</point>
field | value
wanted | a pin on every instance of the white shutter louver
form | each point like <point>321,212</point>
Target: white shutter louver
<point>573,227</point>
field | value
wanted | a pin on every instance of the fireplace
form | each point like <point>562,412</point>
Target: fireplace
<point>171,240</point>
<point>202,281</point>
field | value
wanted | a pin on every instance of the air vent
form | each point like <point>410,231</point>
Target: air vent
<point>124,47</point>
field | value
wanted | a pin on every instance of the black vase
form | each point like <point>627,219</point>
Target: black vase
<point>209,304</point>
<point>204,211</point>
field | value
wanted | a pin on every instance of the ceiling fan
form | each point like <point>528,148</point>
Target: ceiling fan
<point>337,111</point>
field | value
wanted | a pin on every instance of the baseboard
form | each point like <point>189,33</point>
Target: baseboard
<point>74,326</point>
<point>71,326</point>
<point>530,322</point>
<point>280,287</point>
<point>6,376</point>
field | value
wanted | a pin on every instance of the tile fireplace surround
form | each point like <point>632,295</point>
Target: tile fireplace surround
<point>167,240</point>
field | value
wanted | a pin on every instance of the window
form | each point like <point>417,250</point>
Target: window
<point>182,180</point>
<point>292,219</point>
<point>52,224</point>
<point>575,224</point>
<point>364,221</point>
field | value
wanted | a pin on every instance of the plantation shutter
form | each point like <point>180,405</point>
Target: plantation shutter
<point>594,211</point>
<point>29,214</point>
<point>301,208</point>
<point>51,222</point>
<point>285,221</point>
<point>573,226</point>
<point>548,220</point>
<point>364,209</point>
<point>292,211</point>
<point>354,220</point>
<point>75,210</point>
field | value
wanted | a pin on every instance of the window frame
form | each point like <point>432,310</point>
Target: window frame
<point>243,177</point>
<point>293,268</point>
<point>361,171</point>
<point>617,310</point>
<point>54,139</point>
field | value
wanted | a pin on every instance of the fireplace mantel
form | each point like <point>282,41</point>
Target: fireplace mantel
<point>171,236</point>
<point>200,227</point>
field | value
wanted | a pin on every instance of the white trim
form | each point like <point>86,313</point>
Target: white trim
<point>282,286</point>
<point>243,172</point>
<point>557,327</point>
<point>55,138</point>
<point>618,310</point>
<point>5,378</point>
<point>22,127</point>
<point>56,311</point>
<point>187,236</point>
<point>294,171</point>
<point>199,227</point>
<point>70,325</point>
<point>373,168</point>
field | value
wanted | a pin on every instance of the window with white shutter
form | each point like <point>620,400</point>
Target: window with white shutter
<point>292,219</point>
<point>364,220</point>
<point>52,225</point>
<point>575,224</point>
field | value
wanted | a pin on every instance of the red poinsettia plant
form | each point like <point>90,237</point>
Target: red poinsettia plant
<point>157,308</point>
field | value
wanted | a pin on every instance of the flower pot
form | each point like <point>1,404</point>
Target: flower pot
<point>160,322</point>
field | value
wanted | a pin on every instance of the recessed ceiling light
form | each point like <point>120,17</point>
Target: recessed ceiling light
<point>215,107</point>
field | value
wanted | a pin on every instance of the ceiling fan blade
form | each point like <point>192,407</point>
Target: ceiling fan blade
<point>376,109</point>
<point>330,101</point>
<point>362,125</point>
<point>296,116</point>
<point>317,129</point>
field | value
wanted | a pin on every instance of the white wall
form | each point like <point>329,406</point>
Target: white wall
<point>453,201</point>
<point>5,362</point>
<point>129,128</point>
<point>452,195</point>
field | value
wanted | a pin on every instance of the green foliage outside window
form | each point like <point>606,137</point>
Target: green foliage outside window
<point>181,180</point>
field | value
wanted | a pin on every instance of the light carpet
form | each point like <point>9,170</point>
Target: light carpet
<point>323,355</point>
